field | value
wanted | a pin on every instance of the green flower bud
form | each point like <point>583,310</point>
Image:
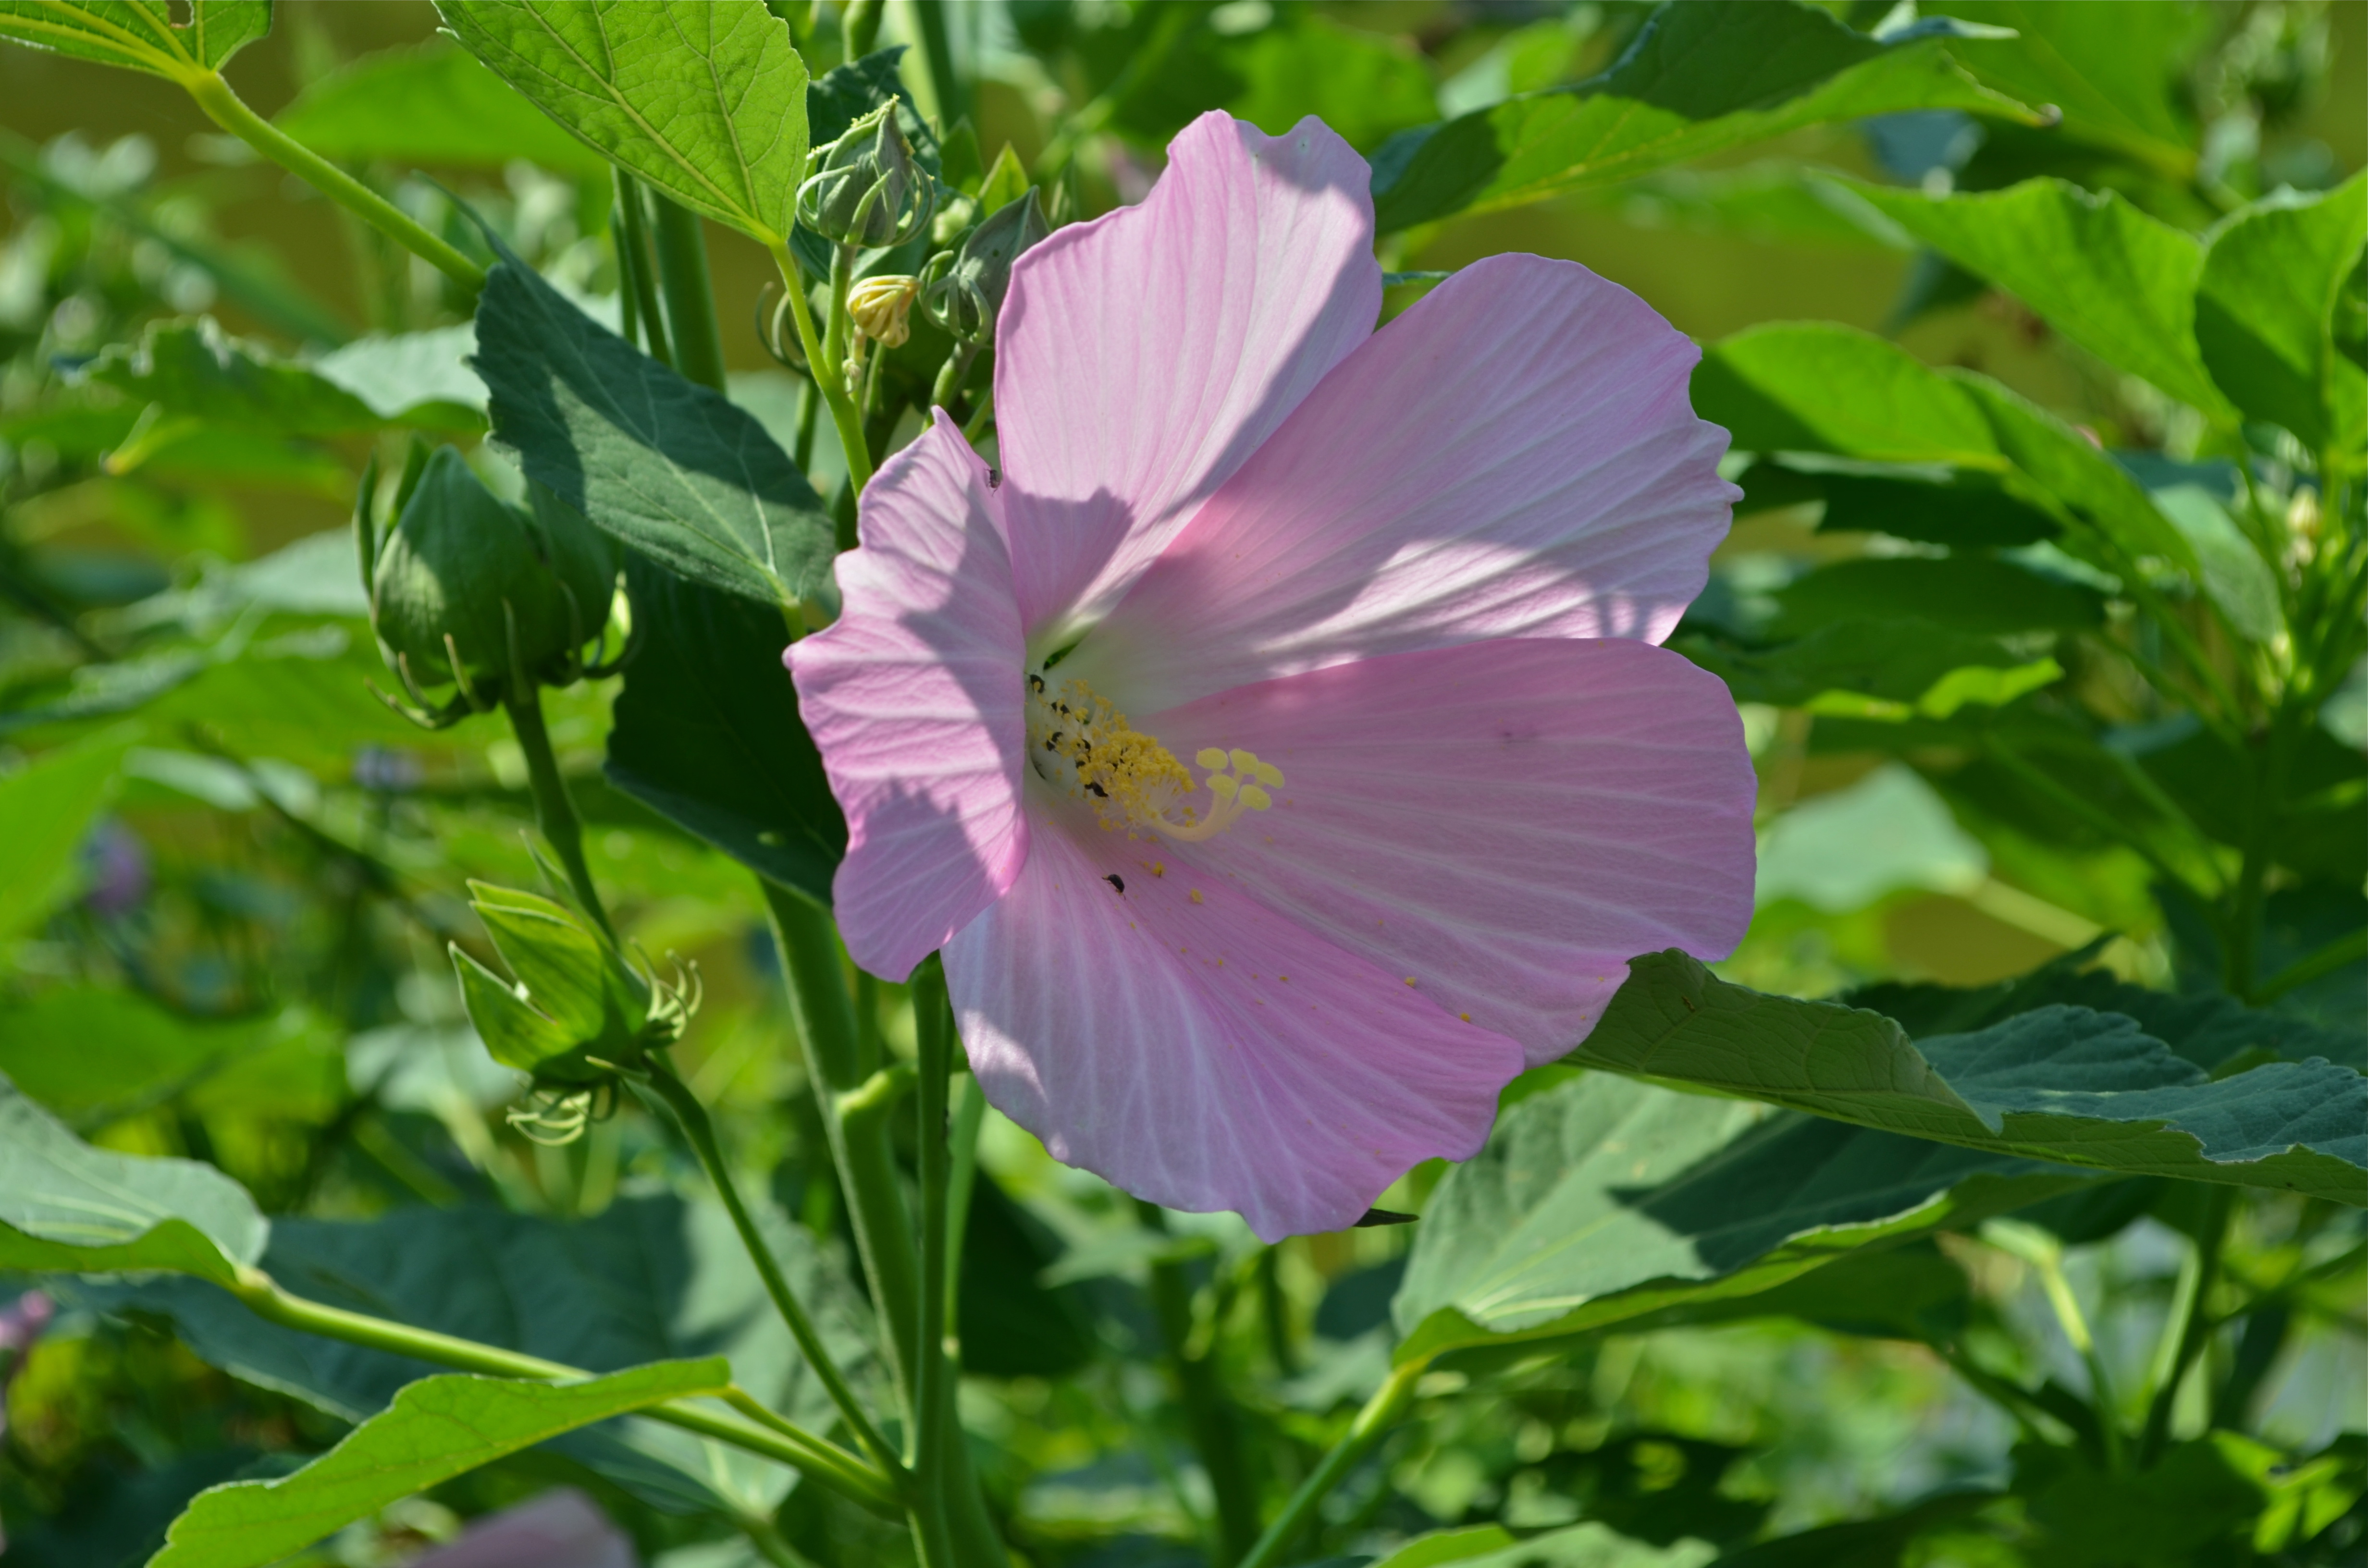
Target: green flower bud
<point>463,572</point>
<point>964,297</point>
<point>869,191</point>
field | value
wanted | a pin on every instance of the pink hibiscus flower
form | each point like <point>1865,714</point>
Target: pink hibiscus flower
<point>1278,746</point>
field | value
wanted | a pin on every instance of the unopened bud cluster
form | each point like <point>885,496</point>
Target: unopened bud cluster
<point>869,191</point>
<point>963,290</point>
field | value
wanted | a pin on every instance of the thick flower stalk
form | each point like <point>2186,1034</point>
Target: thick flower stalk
<point>1278,746</point>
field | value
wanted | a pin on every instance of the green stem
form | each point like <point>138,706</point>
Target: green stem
<point>815,976</point>
<point>554,813</point>
<point>970,1114</point>
<point>2104,821</point>
<point>1207,1412</point>
<point>2241,942</point>
<point>690,293</point>
<point>1372,1423</point>
<point>883,1226</point>
<point>700,1130</point>
<point>933,1426</point>
<point>950,93</point>
<point>2348,949</point>
<point>2194,1323</point>
<point>769,1434</point>
<point>824,366</point>
<point>860,22</point>
<point>635,284</point>
<point>2027,1412</point>
<point>2049,1263</point>
<point>980,417</point>
<point>952,375</point>
<point>226,109</point>
<point>1276,1313</point>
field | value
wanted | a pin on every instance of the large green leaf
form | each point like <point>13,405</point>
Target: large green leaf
<point>194,370</point>
<point>437,1428</point>
<point>1602,1201</point>
<point>1699,78</point>
<point>1963,594</point>
<point>48,806</point>
<point>703,98</point>
<point>140,35</point>
<point>430,103</point>
<point>1359,83</point>
<point>706,733</point>
<point>67,1207</point>
<point>2059,1082</point>
<point>1874,667</point>
<point>2264,315</point>
<point>2111,71</point>
<point>650,1278</point>
<point>1966,511</point>
<point>670,468</point>
<point>2111,279</point>
<point>92,1055</point>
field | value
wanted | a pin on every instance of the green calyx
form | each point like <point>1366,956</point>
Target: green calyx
<point>467,590</point>
<point>962,290</point>
<point>869,191</point>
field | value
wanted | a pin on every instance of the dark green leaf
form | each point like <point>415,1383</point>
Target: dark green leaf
<point>705,99</point>
<point>1363,85</point>
<point>1700,78</point>
<point>670,468</point>
<point>437,1428</point>
<point>2265,315</point>
<point>68,1208</point>
<point>1963,594</point>
<point>2059,1082</point>
<point>140,35</point>
<point>1599,1201</point>
<point>706,733</point>
<point>1915,665</point>
<point>2111,71</point>
<point>2106,276</point>
<point>1862,1543</point>
<point>430,103</point>
<point>1972,513</point>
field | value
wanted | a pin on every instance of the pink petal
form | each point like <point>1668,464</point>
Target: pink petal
<point>1514,456</point>
<point>1141,357</point>
<point>1158,1041</point>
<point>1506,821</point>
<point>914,698</point>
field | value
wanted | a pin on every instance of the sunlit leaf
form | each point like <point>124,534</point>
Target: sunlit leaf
<point>67,1207</point>
<point>669,467</point>
<point>437,1428</point>
<point>2059,1082</point>
<point>1700,78</point>
<point>430,103</point>
<point>141,35</point>
<point>706,100</point>
<point>48,804</point>
<point>1600,1201</point>
<point>2265,312</point>
<point>195,370</point>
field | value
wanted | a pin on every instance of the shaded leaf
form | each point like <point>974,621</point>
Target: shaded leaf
<point>140,35</point>
<point>437,1428</point>
<point>2111,279</point>
<point>670,468</point>
<point>707,734</point>
<point>1699,78</point>
<point>1965,511</point>
<point>1962,594</point>
<point>49,805</point>
<point>2060,1083</point>
<point>1600,1201</point>
<point>66,1207</point>
<point>706,100</point>
<point>1862,1543</point>
<point>2265,312</point>
<point>1909,664</point>
<point>430,103</point>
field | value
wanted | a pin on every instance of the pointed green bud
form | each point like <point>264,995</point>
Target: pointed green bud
<point>461,567</point>
<point>965,297</point>
<point>871,192</point>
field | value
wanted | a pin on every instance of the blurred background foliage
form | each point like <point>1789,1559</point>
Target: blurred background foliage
<point>226,894</point>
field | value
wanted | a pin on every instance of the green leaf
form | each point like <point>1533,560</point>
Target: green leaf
<point>1970,511</point>
<point>48,804</point>
<point>67,1207</point>
<point>1862,1543</point>
<point>1364,86</point>
<point>1883,665</point>
<point>1964,594</point>
<point>2060,1083</point>
<point>437,1428</point>
<point>195,370</point>
<point>568,1001</point>
<point>2072,470</point>
<point>1815,386</point>
<point>1699,78</point>
<point>670,468</point>
<point>2233,573</point>
<point>1590,1545</point>
<point>92,1055</point>
<point>706,100</point>
<point>706,733</point>
<point>2110,279</point>
<point>430,103</point>
<point>651,1276</point>
<point>1006,181</point>
<point>2265,312</point>
<point>2204,1492</point>
<point>416,378</point>
<point>139,35</point>
<point>2112,72</point>
<point>1599,1201</point>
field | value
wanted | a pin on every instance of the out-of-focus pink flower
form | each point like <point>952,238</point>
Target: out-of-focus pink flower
<point>562,1528</point>
<point>1278,746</point>
<point>115,863</point>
